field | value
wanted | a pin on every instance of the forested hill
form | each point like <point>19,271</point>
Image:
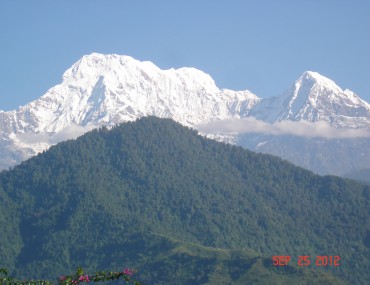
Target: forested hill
<point>82,201</point>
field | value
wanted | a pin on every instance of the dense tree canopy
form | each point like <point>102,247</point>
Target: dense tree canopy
<point>81,202</point>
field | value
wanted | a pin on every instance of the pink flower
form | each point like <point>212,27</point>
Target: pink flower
<point>128,271</point>
<point>84,278</point>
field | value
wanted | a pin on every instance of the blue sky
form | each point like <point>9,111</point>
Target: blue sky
<point>259,45</point>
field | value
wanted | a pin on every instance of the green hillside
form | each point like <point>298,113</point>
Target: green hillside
<point>83,201</point>
<point>213,266</point>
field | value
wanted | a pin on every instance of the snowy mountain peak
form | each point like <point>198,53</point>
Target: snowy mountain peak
<point>90,68</point>
<point>314,97</point>
<point>310,79</point>
<point>109,89</point>
<point>322,92</point>
<point>308,90</point>
<point>314,76</point>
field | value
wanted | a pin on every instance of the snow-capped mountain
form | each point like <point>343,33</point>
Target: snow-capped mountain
<point>313,98</point>
<point>109,89</point>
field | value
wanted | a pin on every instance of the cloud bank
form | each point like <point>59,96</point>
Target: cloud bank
<point>305,129</point>
<point>70,132</point>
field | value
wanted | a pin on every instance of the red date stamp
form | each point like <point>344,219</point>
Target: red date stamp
<point>305,260</point>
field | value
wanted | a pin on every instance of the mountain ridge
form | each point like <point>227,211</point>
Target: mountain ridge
<point>314,97</point>
<point>104,90</point>
<point>81,201</point>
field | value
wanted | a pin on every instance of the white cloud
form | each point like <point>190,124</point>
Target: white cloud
<point>70,132</point>
<point>306,129</point>
<point>32,138</point>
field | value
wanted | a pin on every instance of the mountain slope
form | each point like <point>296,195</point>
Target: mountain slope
<point>211,266</point>
<point>82,200</point>
<point>314,97</point>
<point>323,156</point>
<point>362,175</point>
<point>109,89</point>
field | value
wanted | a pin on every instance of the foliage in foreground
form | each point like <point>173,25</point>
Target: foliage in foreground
<point>74,279</point>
